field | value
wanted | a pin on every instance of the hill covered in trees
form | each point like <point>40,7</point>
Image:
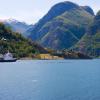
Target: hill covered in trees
<point>17,44</point>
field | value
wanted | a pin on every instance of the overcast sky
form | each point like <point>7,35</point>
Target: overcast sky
<point>31,11</point>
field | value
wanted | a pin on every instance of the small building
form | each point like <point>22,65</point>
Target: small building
<point>48,57</point>
<point>45,56</point>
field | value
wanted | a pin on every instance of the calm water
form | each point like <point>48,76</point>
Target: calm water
<point>50,80</point>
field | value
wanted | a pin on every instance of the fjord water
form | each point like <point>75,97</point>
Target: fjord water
<point>50,80</point>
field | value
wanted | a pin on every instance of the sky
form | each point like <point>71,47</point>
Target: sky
<point>30,11</point>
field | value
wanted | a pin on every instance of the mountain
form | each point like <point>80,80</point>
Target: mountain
<point>28,31</point>
<point>17,26</point>
<point>16,43</point>
<point>91,40</point>
<point>88,9</point>
<point>63,26</point>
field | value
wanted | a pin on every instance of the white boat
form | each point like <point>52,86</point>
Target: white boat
<point>8,57</point>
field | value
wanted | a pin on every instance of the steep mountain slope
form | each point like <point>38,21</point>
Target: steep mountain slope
<point>17,44</point>
<point>28,31</point>
<point>88,9</point>
<point>91,40</point>
<point>63,26</point>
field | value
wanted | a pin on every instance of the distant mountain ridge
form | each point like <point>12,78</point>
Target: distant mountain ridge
<point>17,26</point>
<point>63,26</point>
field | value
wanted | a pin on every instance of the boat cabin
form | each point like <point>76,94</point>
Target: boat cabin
<point>8,56</point>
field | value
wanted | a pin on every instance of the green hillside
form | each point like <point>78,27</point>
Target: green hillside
<point>16,44</point>
<point>91,40</point>
<point>62,28</point>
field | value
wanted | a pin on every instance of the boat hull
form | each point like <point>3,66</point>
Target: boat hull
<point>13,60</point>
